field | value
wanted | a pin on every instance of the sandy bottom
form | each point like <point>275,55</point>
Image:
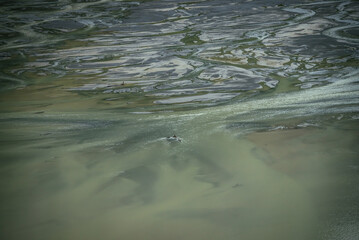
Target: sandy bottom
<point>285,184</point>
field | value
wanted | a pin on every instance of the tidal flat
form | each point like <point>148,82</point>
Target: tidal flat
<point>169,119</point>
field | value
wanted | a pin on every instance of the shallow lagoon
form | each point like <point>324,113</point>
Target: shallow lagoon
<point>89,183</point>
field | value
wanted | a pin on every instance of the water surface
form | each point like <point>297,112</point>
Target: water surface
<point>263,95</point>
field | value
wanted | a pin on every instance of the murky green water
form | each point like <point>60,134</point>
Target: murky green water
<point>263,98</point>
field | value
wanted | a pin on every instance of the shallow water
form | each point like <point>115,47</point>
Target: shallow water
<point>263,95</point>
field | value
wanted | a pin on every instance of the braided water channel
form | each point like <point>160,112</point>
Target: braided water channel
<point>262,97</point>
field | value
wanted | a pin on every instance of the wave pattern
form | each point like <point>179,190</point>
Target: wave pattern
<point>194,51</point>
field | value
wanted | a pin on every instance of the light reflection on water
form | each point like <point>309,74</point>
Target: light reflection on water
<point>264,96</point>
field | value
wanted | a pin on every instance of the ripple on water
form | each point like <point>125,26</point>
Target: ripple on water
<point>209,97</point>
<point>59,26</point>
<point>233,78</point>
<point>176,49</point>
<point>345,33</point>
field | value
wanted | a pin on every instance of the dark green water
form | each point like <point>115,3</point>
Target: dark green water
<point>263,96</point>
